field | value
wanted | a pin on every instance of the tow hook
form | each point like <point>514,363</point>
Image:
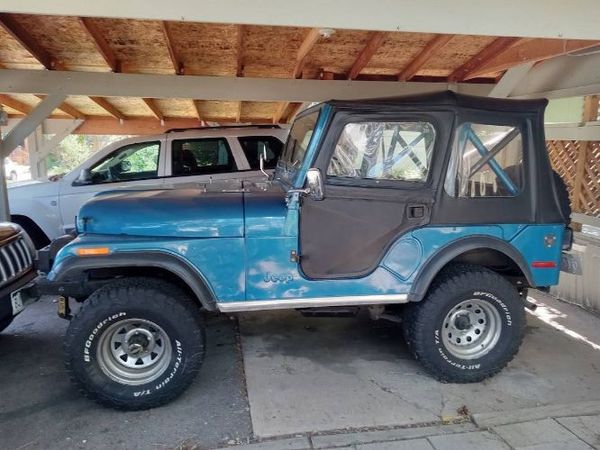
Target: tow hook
<point>64,310</point>
<point>529,304</point>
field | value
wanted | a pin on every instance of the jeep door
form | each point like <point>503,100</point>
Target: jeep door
<point>380,173</point>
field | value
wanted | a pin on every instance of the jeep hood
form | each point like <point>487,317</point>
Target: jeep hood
<point>177,213</point>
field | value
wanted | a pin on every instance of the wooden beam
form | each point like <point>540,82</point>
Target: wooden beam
<point>175,58</point>
<point>497,47</point>
<point>375,41</point>
<point>590,114</point>
<point>67,109</point>
<point>421,59</point>
<point>530,50</point>
<point>15,104</point>
<point>311,38</point>
<point>24,38</point>
<point>238,113</point>
<point>108,107</point>
<point>152,106</point>
<point>240,51</point>
<point>293,111</point>
<point>281,107</point>
<point>101,45</point>
<point>106,84</point>
<point>198,109</point>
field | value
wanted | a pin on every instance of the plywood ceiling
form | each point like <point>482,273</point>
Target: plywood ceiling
<point>235,50</point>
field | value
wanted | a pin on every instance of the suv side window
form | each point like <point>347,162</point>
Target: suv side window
<point>487,161</point>
<point>253,147</point>
<point>399,151</point>
<point>132,162</point>
<point>201,157</point>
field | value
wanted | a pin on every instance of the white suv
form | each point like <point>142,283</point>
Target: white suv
<point>47,209</point>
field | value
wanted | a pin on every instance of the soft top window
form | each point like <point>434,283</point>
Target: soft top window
<point>383,151</point>
<point>487,161</point>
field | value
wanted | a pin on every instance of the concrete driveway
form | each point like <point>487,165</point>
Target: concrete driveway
<point>307,377</point>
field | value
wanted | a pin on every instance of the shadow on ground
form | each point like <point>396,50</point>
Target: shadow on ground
<point>41,409</point>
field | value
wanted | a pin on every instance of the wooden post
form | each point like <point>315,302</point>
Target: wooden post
<point>590,114</point>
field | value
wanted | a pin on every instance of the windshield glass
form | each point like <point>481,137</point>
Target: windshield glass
<point>298,140</point>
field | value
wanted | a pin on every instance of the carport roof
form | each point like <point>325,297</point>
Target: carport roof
<point>180,49</point>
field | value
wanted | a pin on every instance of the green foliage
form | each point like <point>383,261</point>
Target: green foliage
<point>74,149</point>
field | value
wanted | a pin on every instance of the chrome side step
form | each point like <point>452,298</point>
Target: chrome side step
<point>314,302</point>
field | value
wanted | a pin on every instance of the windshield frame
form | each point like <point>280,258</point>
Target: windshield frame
<point>290,174</point>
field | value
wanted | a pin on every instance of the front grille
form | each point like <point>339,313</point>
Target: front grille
<point>15,258</point>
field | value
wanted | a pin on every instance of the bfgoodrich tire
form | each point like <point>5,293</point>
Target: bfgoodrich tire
<point>469,326</point>
<point>135,344</point>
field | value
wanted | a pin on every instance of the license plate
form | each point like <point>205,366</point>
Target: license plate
<point>17,302</point>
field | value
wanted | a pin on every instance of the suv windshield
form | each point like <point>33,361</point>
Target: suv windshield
<point>298,141</point>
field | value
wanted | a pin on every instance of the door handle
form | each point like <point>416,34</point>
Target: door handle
<point>416,211</point>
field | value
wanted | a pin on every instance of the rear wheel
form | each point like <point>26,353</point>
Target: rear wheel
<point>468,327</point>
<point>135,344</point>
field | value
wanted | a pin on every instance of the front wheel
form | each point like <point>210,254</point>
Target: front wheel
<point>469,326</point>
<point>135,344</point>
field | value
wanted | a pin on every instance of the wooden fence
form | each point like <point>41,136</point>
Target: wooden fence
<point>578,163</point>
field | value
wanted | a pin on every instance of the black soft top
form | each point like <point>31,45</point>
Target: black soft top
<point>444,99</point>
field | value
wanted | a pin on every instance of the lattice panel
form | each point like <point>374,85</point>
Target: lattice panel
<point>564,156</point>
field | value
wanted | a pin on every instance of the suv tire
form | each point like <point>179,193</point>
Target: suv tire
<point>136,343</point>
<point>468,327</point>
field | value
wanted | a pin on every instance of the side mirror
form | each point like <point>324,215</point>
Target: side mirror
<point>314,183</point>
<point>85,177</point>
<point>262,158</point>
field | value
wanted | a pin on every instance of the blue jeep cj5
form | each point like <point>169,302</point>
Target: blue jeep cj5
<point>440,210</point>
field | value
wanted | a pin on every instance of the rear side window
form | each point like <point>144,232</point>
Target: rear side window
<point>383,151</point>
<point>487,161</point>
<point>253,146</point>
<point>201,157</point>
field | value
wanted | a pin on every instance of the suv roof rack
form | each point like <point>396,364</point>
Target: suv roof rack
<point>220,127</point>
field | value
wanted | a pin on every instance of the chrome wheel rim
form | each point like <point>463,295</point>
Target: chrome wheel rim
<point>134,351</point>
<point>471,329</point>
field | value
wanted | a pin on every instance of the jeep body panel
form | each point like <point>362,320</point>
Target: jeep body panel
<point>267,246</point>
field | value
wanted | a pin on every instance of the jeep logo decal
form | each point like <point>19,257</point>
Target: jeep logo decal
<point>277,277</point>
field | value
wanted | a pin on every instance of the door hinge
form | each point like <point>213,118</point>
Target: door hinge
<point>294,256</point>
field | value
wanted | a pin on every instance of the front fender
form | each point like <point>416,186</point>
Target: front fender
<point>69,267</point>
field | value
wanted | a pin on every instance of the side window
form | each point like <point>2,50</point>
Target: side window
<point>253,146</point>
<point>383,151</point>
<point>487,161</point>
<point>201,157</point>
<point>132,162</point>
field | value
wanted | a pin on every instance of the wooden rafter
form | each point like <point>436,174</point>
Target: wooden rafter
<point>15,104</point>
<point>421,59</point>
<point>101,45</point>
<point>175,59</point>
<point>375,41</point>
<point>108,107</point>
<point>152,106</point>
<point>528,50</point>
<point>497,47</point>
<point>311,38</point>
<point>67,109</point>
<point>24,38</point>
<point>238,112</point>
<point>198,109</point>
<point>240,51</point>
<point>281,107</point>
<point>293,111</point>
